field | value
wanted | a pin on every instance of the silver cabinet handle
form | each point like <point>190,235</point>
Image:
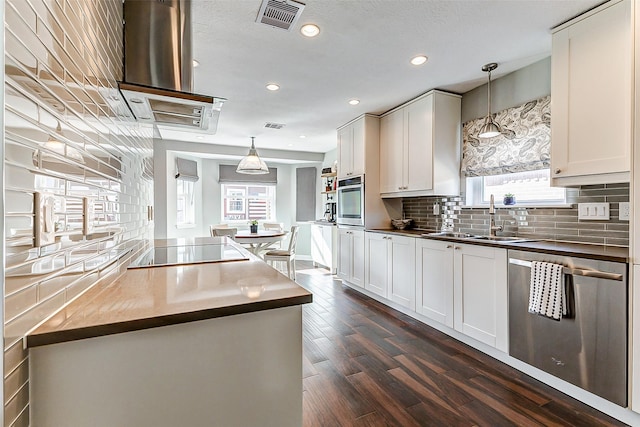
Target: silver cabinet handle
<point>457,248</point>
<point>448,247</point>
<point>557,171</point>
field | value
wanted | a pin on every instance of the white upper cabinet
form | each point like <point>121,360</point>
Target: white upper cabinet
<point>352,140</point>
<point>420,147</point>
<point>592,97</point>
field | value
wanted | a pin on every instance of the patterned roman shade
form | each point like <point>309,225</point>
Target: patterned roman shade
<point>524,144</point>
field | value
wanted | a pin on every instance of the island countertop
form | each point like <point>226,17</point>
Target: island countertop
<point>159,296</point>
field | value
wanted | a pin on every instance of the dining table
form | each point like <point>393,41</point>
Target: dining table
<point>260,240</point>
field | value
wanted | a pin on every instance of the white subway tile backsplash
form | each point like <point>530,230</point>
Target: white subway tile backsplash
<point>63,59</point>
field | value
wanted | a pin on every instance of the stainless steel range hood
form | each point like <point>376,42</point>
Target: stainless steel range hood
<point>158,68</point>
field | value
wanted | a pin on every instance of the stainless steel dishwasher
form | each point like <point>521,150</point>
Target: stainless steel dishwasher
<point>587,348</point>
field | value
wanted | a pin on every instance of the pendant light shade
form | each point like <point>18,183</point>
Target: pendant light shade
<point>490,127</point>
<point>251,163</point>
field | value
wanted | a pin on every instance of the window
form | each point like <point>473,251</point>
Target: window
<point>529,188</point>
<point>186,211</point>
<point>243,202</point>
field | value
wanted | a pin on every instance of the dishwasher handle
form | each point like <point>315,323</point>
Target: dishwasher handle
<point>575,271</point>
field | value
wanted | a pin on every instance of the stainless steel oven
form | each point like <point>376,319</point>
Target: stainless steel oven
<point>351,200</point>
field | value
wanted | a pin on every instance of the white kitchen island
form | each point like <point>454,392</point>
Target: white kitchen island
<point>217,344</point>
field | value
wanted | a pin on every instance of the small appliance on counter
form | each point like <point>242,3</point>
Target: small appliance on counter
<point>330,212</point>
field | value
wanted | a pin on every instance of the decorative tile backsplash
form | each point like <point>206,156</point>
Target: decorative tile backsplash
<point>542,223</point>
<point>78,172</point>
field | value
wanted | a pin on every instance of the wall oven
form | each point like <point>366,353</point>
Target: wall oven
<point>351,201</point>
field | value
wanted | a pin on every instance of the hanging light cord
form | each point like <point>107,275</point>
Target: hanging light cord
<point>489,96</point>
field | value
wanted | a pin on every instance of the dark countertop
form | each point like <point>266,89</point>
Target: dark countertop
<point>584,250</point>
<point>160,296</point>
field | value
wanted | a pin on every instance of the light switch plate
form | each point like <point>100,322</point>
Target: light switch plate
<point>593,211</point>
<point>624,211</point>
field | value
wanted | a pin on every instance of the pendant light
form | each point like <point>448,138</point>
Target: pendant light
<point>252,164</point>
<point>490,128</point>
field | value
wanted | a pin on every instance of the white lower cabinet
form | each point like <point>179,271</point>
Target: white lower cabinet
<point>390,267</point>
<point>323,245</point>
<point>434,280</point>
<point>480,294</point>
<point>351,259</point>
<point>464,287</point>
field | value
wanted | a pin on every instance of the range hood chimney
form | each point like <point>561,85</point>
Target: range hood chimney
<point>158,68</point>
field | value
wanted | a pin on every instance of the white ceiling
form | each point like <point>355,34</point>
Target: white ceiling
<point>362,52</point>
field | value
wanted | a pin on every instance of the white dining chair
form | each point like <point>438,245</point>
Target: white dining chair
<point>230,232</point>
<point>286,255</point>
<point>274,226</point>
<point>212,227</point>
<point>278,226</point>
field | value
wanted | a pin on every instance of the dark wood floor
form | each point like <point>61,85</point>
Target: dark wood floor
<point>368,365</point>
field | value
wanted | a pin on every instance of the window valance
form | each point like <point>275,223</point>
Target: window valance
<point>228,175</point>
<point>524,144</point>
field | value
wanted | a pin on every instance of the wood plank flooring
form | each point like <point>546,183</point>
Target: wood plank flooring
<point>368,365</point>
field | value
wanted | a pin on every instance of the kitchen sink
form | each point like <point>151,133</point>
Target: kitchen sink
<point>512,239</point>
<point>450,234</point>
<point>467,236</point>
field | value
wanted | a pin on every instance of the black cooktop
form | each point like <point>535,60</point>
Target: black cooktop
<point>188,254</point>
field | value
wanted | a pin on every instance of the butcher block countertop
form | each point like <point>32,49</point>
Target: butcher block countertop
<point>151,297</point>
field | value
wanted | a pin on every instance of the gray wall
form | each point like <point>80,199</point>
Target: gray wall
<point>513,89</point>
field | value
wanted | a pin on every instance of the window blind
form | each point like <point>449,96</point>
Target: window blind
<point>186,170</point>
<point>306,192</point>
<point>524,145</point>
<point>228,174</point>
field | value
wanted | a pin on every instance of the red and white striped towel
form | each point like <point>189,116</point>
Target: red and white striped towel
<point>547,293</point>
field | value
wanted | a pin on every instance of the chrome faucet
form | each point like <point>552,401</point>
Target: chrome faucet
<point>492,221</point>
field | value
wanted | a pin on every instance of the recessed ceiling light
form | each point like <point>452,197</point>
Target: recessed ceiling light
<point>290,145</point>
<point>419,60</point>
<point>354,101</point>
<point>273,86</point>
<point>195,63</point>
<point>310,30</point>
<point>303,136</point>
<point>199,137</point>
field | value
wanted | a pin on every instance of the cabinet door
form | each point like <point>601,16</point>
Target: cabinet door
<point>434,280</point>
<point>591,85</point>
<point>402,270</point>
<point>480,294</point>
<point>375,253</point>
<point>345,151</point>
<point>358,147</point>
<point>344,254</point>
<point>392,149</point>
<point>418,171</point>
<point>358,259</point>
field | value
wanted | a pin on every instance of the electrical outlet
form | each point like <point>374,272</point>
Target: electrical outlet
<point>624,212</point>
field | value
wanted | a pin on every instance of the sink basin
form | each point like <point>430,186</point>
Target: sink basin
<point>467,236</point>
<point>450,234</point>
<point>512,239</point>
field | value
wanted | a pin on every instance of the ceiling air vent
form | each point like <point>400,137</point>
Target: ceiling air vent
<point>279,14</point>
<point>270,125</point>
